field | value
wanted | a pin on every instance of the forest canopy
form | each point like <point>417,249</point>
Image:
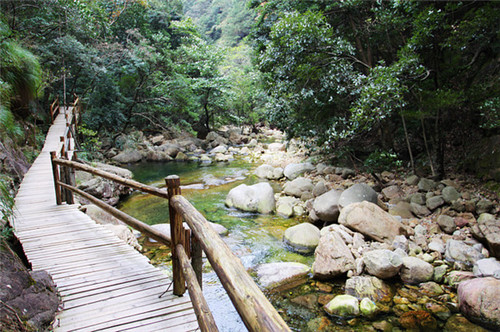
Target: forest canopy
<point>411,79</point>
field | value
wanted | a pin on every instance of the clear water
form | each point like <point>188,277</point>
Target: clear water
<point>254,238</point>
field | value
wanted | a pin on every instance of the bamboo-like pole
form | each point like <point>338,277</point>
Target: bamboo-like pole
<point>203,314</point>
<point>131,221</point>
<point>176,233</point>
<point>256,311</point>
<point>113,177</point>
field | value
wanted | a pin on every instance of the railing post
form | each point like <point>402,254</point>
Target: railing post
<point>177,234</point>
<point>67,175</point>
<point>55,174</point>
<point>197,259</point>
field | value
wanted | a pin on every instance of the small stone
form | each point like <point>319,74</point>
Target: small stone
<point>412,180</point>
<point>458,323</point>
<point>419,210</point>
<point>343,305</point>
<point>450,194</point>
<point>302,238</point>
<point>446,223</point>
<point>415,270</point>
<point>426,185</point>
<point>484,206</point>
<point>433,203</point>
<point>439,272</point>
<point>437,246</point>
<point>367,307</point>
<point>418,198</point>
<point>431,289</point>
<point>418,320</point>
<point>487,267</point>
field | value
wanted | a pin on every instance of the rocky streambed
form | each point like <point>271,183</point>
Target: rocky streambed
<point>333,248</point>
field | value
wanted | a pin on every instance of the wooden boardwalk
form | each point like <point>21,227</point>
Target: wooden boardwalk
<point>105,284</point>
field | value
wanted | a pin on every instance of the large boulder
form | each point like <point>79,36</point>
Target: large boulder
<point>343,305</point>
<point>302,238</point>
<point>326,206</point>
<point>332,257</point>
<point>370,220</point>
<point>128,157</point>
<point>358,193</point>
<point>256,198</point>
<point>269,172</point>
<point>382,263</point>
<point>283,275</point>
<point>298,187</point>
<point>458,251</point>
<point>415,270</point>
<point>170,149</point>
<point>479,301</point>
<point>370,287</point>
<point>487,230</point>
<point>293,171</point>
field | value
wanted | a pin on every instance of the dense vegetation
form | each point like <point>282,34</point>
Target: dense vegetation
<point>383,80</point>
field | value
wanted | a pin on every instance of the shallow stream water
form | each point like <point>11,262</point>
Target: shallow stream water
<point>254,238</point>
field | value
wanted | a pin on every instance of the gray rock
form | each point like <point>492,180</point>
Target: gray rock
<point>419,210</point>
<point>269,172</point>
<point>426,185</point>
<point>256,198</point>
<point>478,301</point>
<point>400,242</point>
<point>439,272</point>
<point>319,189</point>
<point>275,147</point>
<point>487,230</point>
<point>326,206</point>
<point>343,305</point>
<point>450,194</point>
<point>437,246</point>
<point>302,238</point>
<point>282,275</point>
<point>285,206</point>
<point>127,157</point>
<point>369,287</point>
<point>487,267</point>
<point>392,192</point>
<point>358,193</point>
<point>332,257</point>
<point>298,187</point>
<point>170,149</point>
<point>484,206</point>
<point>446,223</point>
<point>293,171</point>
<point>370,220</point>
<point>367,307</point>
<point>219,149</point>
<point>402,209</point>
<point>458,251</point>
<point>415,271</point>
<point>382,263</point>
<point>434,202</point>
<point>418,198</point>
<point>412,180</point>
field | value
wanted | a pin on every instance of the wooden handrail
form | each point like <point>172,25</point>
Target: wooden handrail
<point>257,312</point>
<point>54,109</point>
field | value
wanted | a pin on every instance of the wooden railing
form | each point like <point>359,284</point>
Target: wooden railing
<point>54,109</point>
<point>187,246</point>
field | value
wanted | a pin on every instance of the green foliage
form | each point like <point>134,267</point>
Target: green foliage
<point>90,143</point>
<point>379,161</point>
<point>490,113</point>
<point>6,210</point>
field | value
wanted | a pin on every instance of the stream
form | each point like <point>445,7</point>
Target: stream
<point>254,238</point>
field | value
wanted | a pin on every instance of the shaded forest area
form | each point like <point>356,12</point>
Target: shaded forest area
<point>381,84</point>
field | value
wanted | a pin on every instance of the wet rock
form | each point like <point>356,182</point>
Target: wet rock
<point>458,323</point>
<point>415,270</point>
<point>382,263</point>
<point>402,209</point>
<point>332,257</point>
<point>371,287</point>
<point>479,303</point>
<point>450,194</point>
<point>434,202</point>
<point>370,220</point>
<point>292,171</point>
<point>487,267</point>
<point>438,310</point>
<point>418,320</point>
<point>367,307</point>
<point>358,193</point>
<point>298,187</point>
<point>256,198</point>
<point>127,157</point>
<point>487,230</point>
<point>309,301</point>
<point>439,272</point>
<point>326,206</point>
<point>302,238</point>
<point>343,305</point>
<point>454,278</point>
<point>426,185</point>
<point>431,289</point>
<point>446,223</point>
<point>282,275</point>
<point>269,172</point>
<point>458,251</point>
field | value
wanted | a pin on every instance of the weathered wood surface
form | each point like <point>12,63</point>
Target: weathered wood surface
<point>105,284</point>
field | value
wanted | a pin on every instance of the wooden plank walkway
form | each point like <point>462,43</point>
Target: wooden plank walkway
<point>105,284</point>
